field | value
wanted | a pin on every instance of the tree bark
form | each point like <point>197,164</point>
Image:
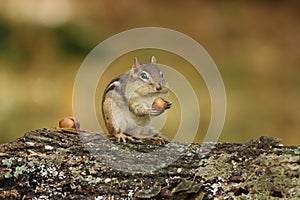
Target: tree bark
<point>66,164</point>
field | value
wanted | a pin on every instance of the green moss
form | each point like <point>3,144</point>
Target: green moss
<point>184,185</point>
<point>7,175</point>
<point>152,192</point>
<point>8,162</point>
<point>19,170</point>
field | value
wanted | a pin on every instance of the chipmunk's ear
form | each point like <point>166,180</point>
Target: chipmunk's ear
<point>153,60</point>
<point>135,62</point>
<point>134,69</point>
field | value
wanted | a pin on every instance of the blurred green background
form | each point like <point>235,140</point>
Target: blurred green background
<point>255,44</point>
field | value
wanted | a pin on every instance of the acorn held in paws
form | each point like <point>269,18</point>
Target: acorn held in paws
<point>161,104</point>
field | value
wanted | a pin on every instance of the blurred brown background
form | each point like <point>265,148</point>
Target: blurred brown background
<point>255,44</point>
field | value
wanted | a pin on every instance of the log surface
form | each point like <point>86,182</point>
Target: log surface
<point>62,164</point>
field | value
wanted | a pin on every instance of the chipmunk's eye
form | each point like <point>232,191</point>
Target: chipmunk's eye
<point>144,76</point>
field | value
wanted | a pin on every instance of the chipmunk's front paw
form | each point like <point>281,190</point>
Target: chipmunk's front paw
<point>169,104</point>
<point>154,112</point>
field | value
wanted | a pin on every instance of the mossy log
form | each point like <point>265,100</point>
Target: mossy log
<point>65,164</point>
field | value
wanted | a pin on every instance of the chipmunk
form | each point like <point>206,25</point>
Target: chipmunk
<point>127,101</point>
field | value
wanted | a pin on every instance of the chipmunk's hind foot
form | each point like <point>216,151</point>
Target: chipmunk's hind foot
<point>121,137</point>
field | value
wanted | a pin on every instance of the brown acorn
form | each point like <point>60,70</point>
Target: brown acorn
<point>161,104</point>
<point>69,122</point>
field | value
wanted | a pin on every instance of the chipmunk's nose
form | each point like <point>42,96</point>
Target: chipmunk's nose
<point>158,87</point>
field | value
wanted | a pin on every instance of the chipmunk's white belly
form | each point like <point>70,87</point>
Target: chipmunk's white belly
<point>130,124</point>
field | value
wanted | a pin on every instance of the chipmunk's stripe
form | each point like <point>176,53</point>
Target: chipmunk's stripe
<point>112,85</point>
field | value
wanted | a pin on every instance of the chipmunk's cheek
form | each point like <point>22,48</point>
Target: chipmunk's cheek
<point>143,90</point>
<point>152,87</point>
